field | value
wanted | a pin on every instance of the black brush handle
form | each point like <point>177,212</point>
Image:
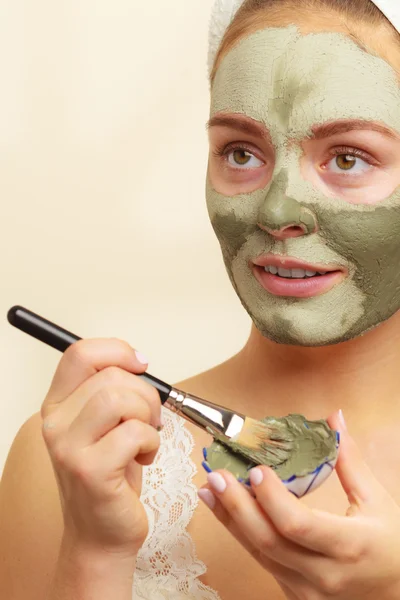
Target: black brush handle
<point>55,336</point>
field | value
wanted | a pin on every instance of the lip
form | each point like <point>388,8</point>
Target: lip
<point>287,262</point>
<point>296,288</point>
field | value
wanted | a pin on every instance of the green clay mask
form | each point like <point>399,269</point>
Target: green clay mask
<point>314,444</point>
<point>291,83</point>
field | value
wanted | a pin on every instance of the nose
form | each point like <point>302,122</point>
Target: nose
<point>281,215</point>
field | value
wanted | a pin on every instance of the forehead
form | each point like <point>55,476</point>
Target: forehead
<point>291,82</point>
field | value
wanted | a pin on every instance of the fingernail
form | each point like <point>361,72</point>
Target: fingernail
<point>217,482</point>
<point>256,476</point>
<point>342,421</point>
<point>207,497</point>
<point>141,358</point>
<point>161,422</point>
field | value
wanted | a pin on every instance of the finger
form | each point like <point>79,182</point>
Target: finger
<point>281,573</point>
<point>134,475</point>
<point>117,453</point>
<point>246,512</point>
<point>130,440</point>
<point>288,592</point>
<point>119,377</point>
<point>321,532</point>
<point>362,488</point>
<point>105,411</point>
<point>85,358</point>
<point>103,383</point>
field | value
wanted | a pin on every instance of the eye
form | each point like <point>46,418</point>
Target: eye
<point>345,163</point>
<point>242,158</point>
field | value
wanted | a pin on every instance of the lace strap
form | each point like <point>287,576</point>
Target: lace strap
<point>167,565</point>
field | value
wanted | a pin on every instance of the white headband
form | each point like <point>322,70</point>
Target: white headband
<point>224,11</point>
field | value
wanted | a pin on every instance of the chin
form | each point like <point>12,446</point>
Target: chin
<point>283,334</point>
<point>285,339</point>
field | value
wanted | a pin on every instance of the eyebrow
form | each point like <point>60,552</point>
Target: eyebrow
<point>318,131</point>
<point>330,129</point>
<point>244,125</point>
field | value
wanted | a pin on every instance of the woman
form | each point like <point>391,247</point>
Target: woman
<point>302,191</point>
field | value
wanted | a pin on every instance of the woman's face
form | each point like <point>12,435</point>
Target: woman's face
<point>304,176</point>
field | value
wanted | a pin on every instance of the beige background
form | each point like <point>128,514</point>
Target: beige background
<point>103,153</point>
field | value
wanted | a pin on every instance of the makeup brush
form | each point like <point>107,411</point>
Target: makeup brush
<point>261,443</point>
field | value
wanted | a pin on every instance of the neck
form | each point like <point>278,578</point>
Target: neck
<point>360,376</point>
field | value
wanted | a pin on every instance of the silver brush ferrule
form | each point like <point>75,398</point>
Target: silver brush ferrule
<point>216,420</point>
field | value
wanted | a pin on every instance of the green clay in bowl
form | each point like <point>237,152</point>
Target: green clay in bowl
<point>314,455</point>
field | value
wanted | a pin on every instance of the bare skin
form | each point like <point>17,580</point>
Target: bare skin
<point>349,376</point>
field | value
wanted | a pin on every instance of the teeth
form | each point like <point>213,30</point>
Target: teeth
<point>292,273</point>
<point>298,273</point>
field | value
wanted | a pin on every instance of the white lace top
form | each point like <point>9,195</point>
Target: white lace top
<point>167,566</point>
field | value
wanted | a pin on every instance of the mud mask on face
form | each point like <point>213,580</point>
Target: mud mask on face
<point>291,83</point>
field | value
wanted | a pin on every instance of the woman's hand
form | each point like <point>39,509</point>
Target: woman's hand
<point>99,425</point>
<point>316,555</point>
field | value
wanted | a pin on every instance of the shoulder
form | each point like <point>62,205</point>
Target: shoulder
<point>28,449</point>
<point>30,515</point>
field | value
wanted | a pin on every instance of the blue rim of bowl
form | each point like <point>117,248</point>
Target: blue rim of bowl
<point>316,471</point>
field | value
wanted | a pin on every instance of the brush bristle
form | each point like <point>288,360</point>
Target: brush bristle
<point>263,444</point>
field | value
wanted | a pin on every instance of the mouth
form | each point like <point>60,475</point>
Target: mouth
<point>286,276</point>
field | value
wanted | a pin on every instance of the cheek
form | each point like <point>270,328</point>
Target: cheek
<point>370,188</point>
<point>233,220</point>
<point>232,233</point>
<point>212,172</point>
<point>370,240</point>
<point>374,193</point>
<point>230,182</point>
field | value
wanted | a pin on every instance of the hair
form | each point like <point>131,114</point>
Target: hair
<point>354,16</point>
